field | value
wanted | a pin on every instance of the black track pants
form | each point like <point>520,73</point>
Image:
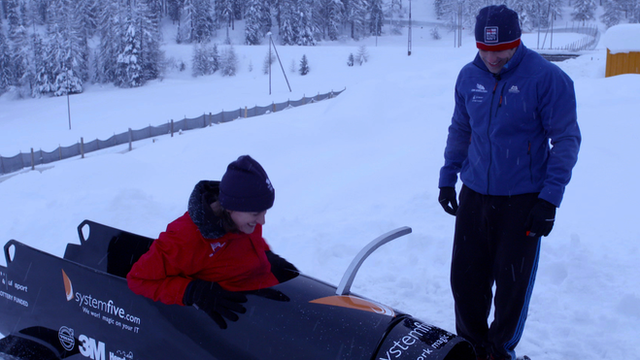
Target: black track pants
<point>491,246</point>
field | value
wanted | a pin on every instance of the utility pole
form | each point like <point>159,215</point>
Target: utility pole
<point>409,45</point>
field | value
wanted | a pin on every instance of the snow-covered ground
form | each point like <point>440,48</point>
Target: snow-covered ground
<point>347,170</point>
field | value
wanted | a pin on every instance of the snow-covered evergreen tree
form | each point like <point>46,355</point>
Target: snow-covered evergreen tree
<point>254,22</point>
<point>376,16</point>
<point>269,59</point>
<point>357,11</point>
<point>110,27</point>
<point>332,13</point>
<point>148,22</point>
<point>306,25</point>
<point>200,14</point>
<point>129,71</point>
<point>288,22</point>
<point>68,50</point>
<point>583,10</point>
<point>612,13</point>
<point>19,48</point>
<point>43,82</point>
<point>206,59</point>
<point>5,62</point>
<point>174,10</point>
<point>304,66</point>
<point>228,61</point>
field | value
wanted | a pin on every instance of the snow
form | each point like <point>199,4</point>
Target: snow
<point>622,38</point>
<point>347,170</point>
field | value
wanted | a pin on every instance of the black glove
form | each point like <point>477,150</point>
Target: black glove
<point>281,268</point>
<point>541,218</point>
<point>215,301</point>
<point>447,199</point>
<point>269,293</point>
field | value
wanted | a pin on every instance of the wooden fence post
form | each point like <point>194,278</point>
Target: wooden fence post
<point>82,147</point>
<point>33,165</point>
<point>171,127</point>
<point>130,139</point>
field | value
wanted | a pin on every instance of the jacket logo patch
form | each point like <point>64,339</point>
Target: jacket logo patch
<point>514,90</point>
<point>479,88</point>
<point>215,247</point>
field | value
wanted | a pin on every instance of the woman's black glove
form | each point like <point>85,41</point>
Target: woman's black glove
<point>281,268</point>
<point>447,198</point>
<point>541,219</point>
<point>217,302</point>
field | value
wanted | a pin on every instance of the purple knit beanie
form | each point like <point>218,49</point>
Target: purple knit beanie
<point>497,28</point>
<point>246,187</point>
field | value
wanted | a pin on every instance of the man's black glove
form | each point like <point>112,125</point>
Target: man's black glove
<point>281,268</point>
<point>448,200</point>
<point>541,218</point>
<point>217,302</point>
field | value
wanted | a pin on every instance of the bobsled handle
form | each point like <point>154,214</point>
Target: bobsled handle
<point>7,252</point>
<point>347,279</point>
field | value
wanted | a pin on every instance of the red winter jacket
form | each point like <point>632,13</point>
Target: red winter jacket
<point>236,261</point>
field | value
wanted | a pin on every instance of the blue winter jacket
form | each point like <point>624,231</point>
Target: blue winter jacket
<point>513,133</point>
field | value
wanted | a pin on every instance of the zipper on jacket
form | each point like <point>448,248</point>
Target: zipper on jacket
<point>493,96</point>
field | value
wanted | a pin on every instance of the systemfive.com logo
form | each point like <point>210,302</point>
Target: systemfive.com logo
<point>91,303</point>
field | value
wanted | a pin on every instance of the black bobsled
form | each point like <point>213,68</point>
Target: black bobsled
<point>80,307</point>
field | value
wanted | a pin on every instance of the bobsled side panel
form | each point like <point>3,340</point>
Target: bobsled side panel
<point>414,339</point>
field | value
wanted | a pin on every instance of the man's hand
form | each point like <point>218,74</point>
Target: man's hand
<point>541,219</point>
<point>217,302</point>
<point>448,199</point>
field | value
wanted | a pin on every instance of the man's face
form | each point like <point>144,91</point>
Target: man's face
<point>496,60</point>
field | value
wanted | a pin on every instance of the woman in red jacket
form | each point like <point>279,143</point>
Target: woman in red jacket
<point>215,250</point>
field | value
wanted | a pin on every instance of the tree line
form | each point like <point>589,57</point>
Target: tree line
<point>534,14</point>
<point>54,47</point>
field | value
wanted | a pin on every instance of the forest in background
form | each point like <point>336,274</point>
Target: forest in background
<point>54,47</point>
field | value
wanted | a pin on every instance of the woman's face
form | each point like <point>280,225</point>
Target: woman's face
<point>247,221</point>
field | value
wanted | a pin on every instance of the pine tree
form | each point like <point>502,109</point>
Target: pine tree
<point>19,48</point>
<point>206,60</point>
<point>43,82</point>
<point>148,22</point>
<point>612,13</point>
<point>5,63</point>
<point>288,22</point>
<point>304,66</point>
<point>129,72</point>
<point>110,31</point>
<point>306,26</point>
<point>357,18</point>
<point>254,26</point>
<point>332,12</point>
<point>174,10</point>
<point>376,17</point>
<point>228,61</point>
<point>584,10</point>
<point>67,54</point>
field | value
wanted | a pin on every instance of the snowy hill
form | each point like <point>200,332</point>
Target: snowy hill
<point>347,170</point>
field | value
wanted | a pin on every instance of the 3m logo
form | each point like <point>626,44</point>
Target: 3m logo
<point>491,34</point>
<point>92,349</point>
<point>68,288</point>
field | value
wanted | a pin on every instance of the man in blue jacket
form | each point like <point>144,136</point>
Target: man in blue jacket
<point>514,139</point>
